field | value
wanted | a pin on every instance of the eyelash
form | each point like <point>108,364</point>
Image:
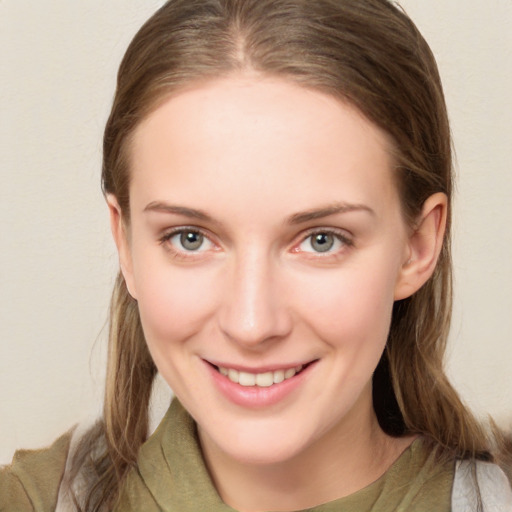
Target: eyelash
<point>340,236</point>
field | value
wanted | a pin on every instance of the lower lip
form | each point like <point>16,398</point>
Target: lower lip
<point>255,396</point>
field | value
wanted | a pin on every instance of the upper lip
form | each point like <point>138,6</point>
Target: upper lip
<point>259,369</point>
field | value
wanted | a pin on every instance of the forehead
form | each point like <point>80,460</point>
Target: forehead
<point>261,138</point>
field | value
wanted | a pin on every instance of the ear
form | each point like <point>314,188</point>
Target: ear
<point>423,247</point>
<point>121,239</point>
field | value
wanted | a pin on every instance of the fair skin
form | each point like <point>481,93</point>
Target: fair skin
<point>266,241</point>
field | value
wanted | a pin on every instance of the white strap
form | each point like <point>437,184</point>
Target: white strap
<point>494,487</point>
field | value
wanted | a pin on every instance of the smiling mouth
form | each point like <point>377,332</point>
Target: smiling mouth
<point>262,380</point>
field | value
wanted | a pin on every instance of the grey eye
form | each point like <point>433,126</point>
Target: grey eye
<point>191,240</point>
<point>322,242</point>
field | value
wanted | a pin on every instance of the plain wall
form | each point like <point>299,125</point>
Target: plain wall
<point>57,262</point>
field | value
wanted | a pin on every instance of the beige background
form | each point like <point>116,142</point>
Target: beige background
<point>58,63</point>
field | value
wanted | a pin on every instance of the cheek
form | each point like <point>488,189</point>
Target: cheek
<point>174,303</point>
<point>352,304</point>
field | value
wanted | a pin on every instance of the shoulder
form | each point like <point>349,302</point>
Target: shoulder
<point>32,480</point>
<point>484,479</point>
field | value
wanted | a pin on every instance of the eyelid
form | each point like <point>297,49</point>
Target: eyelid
<point>170,232</point>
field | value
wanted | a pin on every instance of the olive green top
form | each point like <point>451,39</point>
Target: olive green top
<point>171,476</point>
<point>32,482</point>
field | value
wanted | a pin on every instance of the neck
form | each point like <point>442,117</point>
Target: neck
<point>349,457</point>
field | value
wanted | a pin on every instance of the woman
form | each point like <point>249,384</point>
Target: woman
<point>278,176</point>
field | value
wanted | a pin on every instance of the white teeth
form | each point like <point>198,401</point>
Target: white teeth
<point>289,373</point>
<point>246,379</point>
<point>278,376</point>
<point>263,380</point>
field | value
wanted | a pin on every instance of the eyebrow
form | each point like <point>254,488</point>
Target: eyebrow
<point>157,206</point>
<point>320,213</point>
<point>296,218</point>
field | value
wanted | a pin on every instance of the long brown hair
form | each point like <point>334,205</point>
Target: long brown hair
<point>365,52</point>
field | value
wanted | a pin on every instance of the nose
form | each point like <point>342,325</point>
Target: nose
<point>254,310</point>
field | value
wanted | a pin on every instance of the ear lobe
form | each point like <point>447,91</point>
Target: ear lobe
<point>424,246</point>
<point>118,228</point>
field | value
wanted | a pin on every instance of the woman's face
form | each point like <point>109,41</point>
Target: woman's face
<point>265,251</point>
